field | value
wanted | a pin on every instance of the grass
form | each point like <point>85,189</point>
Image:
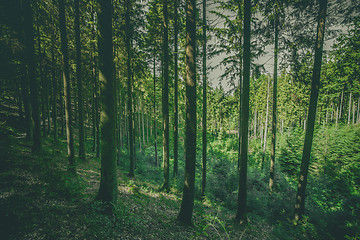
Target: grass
<point>40,199</point>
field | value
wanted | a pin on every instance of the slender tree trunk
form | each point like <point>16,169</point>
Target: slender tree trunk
<point>93,108</point>
<point>358,111</point>
<point>108,184</point>
<point>147,128</point>
<point>240,16</point>
<point>142,122</point>
<point>97,108</point>
<point>354,112</point>
<point>26,99</point>
<point>54,87</point>
<point>349,114</point>
<point>42,81</point>
<point>67,87</point>
<point>139,126</point>
<point>204,127</point>
<point>155,117</point>
<point>47,86</point>
<point>341,104</point>
<point>24,83</point>
<point>305,161</point>
<point>165,100</point>
<point>187,203</point>
<point>30,56</point>
<point>274,111</point>
<point>129,87</point>
<point>266,122</point>
<point>241,209</point>
<point>79,82</point>
<point>255,123</point>
<point>176,85</point>
<point>62,109</point>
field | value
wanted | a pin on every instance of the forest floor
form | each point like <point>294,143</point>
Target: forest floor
<point>40,199</point>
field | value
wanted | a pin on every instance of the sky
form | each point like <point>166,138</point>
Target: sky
<point>266,59</point>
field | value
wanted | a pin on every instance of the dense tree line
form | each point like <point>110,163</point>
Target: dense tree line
<point>98,71</point>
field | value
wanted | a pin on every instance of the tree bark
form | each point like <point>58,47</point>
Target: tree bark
<point>42,80</point>
<point>176,112</point>
<point>358,111</point>
<point>165,100</point>
<point>187,203</point>
<point>155,117</point>
<point>315,85</point>
<point>266,122</point>
<point>67,87</point>
<point>54,87</point>
<point>129,87</point>
<point>34,91</point>
<point>241,209</point>
<point>108,184</point>
<point>79,82</point>
<point>349,113</point>
<point>204,127</point>
<point>274,111</point>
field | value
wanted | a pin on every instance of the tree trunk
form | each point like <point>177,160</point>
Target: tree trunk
<point>142,122</point>
<point>240,16</point>
<point>139,125</point>
<point>204,127</point>
<point>108,184</point>
<point>93,107</point>
<point>79,82</point>
<point>30,56</point>
<point>62,109</point>
<point>266,122</point>
<point>341,104</point>
<point>54,87</point>
<point>155,118</point>
<point>26,99</point>
<point>129,87</point>
<point>165,100</point>
<point>176,112</point>
<point>358,111</point>
<point>67,87</point>
<point>349,114</point>
<point>274,111</point>
<point>305,161</point>
<point>354,113</point>
<point>187,203</point>
<point>24,84</point>
<point>255,123</point>
<point>241,209</point>
<point>42,81</point>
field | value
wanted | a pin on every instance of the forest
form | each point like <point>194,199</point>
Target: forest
<point>159,119</point>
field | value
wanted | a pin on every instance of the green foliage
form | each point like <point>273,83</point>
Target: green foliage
<point>290,152</point>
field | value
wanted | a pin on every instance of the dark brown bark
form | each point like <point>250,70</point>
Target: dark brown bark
<point>79,82</point>
<point>274,111</point>
<point>129,88</point>
<point>204,126</point>
<point>54,87</point>
<point>42,80</point>
<point>165,100</point>
<point>155,117</point>
<point>266,122</point>
<point>67,87</point>
<point>315,85</point>
<point>241,209</point>
<point>176,94</point>
<point>34,91</point>
<point>108,184</point>
<point>187,203</point>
